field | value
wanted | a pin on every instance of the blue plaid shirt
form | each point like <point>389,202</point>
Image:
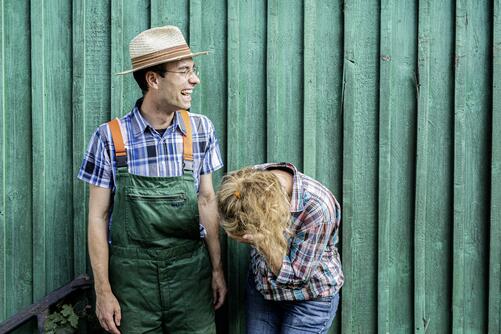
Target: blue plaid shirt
<point>148,152</point>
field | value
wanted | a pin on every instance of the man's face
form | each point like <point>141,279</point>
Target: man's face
<point>175,89</point>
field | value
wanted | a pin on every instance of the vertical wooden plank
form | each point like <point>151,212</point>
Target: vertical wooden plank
<point>170,12</point>
<point>433,214</point>
<point>328,40</point>
<point>360,150</point>
<point>236,254</point>
<point>207,31</point>
<point>309,88</point>
<point>246,125</point>
<point>16,160</point>
<point>91,101</point>
<point>322,129</point>
<point>396,165</point>
<point>469,297</point>
<point>128,18</point>
<point>495,228</point>
<point>52,150</point>
<point>3,227</point>
<point>285,82</point>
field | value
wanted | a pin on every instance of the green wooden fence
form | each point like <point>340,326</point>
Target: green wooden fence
<point>394,104</point>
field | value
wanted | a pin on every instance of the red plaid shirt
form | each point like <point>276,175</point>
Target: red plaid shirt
<point>312,266</point>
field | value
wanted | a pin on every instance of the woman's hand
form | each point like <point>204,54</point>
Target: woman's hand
<point>274,260</point>
<point>246,238</point>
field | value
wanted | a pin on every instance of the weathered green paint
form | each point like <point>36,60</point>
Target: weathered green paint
<point>284,83</point>
<point>128,18</point>
<point>91,102</point>
<point>494,317</point>
<point>364,96</point>
<point>15,148</point>
<point>360,151</point>
<point>310,102</point>
<point>327,164</point>
<point>471,212</point>
<point>397,115</point>
<point>52,152</point>
<point>433,210</point>
<point>246,145</point>
<point>173,12</point>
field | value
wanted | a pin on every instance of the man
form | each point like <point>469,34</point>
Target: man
<point>152,203</point>
<point>291,221</point>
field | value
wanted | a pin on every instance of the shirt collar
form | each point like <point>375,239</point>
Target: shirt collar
<point>297,198</point>
<point>139,124</point>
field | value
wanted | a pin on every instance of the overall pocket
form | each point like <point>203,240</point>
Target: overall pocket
<point>154,217</point>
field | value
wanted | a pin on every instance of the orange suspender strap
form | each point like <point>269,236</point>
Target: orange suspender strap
<point>118,141</point>
<point>187,139</point>
<point>121,153</point>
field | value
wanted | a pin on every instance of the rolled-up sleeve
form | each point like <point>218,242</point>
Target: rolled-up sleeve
<point>212,160</point>
<point>307,246</point>
<point>96,167</point>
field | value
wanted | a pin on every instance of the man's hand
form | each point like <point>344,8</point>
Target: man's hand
<point>218,288</point>
<point>108,312</point>
<point>207,207</point>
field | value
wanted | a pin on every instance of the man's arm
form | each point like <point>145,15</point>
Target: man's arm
<point>209,217</point>
<point>107,307</point>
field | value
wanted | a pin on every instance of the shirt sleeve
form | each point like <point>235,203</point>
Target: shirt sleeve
<point>307,247</point>
<point>212,160</point>
<point>96,167</point>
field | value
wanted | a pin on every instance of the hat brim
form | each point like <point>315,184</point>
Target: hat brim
<point>161,61</point>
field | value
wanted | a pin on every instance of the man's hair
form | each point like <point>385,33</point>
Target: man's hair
<point>253,202</point>
<point>140,75</point>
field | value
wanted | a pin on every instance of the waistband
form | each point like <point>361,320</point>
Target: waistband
<point>182,249</point>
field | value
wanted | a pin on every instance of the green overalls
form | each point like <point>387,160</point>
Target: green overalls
<point>159,268</point>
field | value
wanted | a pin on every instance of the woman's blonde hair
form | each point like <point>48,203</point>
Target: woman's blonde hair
<point>253,202</point>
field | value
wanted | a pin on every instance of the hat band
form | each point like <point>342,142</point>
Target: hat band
<point>166,55</point>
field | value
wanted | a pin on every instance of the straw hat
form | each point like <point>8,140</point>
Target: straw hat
<point>158,45</point>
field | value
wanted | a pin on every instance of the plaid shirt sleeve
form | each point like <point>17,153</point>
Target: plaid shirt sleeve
<point>96,167</point>
<point>211,160</point>
<point>306,247</point>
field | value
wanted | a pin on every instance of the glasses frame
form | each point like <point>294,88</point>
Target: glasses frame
<point>188,73</point>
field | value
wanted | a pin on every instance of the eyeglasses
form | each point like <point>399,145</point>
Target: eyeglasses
<point>188,72</point>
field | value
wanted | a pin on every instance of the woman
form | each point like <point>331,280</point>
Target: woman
<point>291,221</point>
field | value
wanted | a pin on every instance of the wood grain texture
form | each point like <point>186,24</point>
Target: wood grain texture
<point>208,33</point>
<point>52,151</point>
<point>360,148</point>
<point>284,86</point>
<point>387,103</point>
<point>4,270</point>
<point>397,115</point>
<point>310,102</point>
<point>494,317</point>
<point>16,261</point>
<point>245,125</point>
<point>323,123</point>
<point>472,115</point>
<point>128,18</point>
<point>171,12</point>
<point>328,40</point>
<point>91,102</point>
<point>434,168</point>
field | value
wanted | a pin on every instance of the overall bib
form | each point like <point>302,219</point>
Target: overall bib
<point>160,271</point>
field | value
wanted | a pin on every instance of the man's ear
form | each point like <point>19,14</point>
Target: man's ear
<point>151,79</point>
